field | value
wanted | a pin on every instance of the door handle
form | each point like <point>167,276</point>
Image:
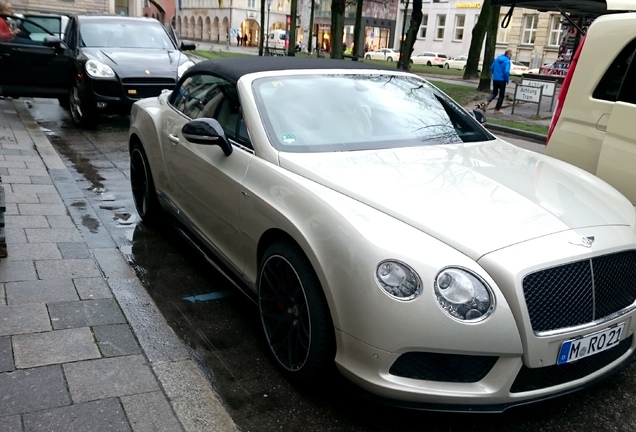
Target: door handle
<point>174,139</point>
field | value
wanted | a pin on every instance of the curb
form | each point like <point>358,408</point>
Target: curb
<point>533,136</point>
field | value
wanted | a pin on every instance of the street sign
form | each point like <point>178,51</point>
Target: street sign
<point>234,32</point>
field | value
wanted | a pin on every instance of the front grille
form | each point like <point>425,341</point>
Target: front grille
<point>580,292</point>
<point>539,378</point>
<point>442,367</point>
<point>143,87</point>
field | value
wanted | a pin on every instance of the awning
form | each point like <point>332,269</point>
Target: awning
<point>574,7</point>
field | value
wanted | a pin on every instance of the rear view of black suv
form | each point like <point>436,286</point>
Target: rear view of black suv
<point>92,64</point>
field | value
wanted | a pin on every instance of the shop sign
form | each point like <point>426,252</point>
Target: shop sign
<point>468,5</point>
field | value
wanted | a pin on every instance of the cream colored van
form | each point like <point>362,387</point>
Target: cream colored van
<point>594,124</point>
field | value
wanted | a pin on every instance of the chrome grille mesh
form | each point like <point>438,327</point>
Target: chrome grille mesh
<point>577,293</point>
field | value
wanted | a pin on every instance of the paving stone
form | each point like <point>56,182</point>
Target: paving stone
<point>85,313</point>
<point>60,221</point>
<point>35,251</point>
<point>61,346</point>
<point>22,392</point>
<point>12,197</point>
<point>92,288</point>
<point>21,319</point>
<point>27,171</point>
<point>23,188</point>
<point>11,424</point>
<point>97,416</point>
<point>116,340</point>
<point>41,180</point>
<point>6,355</point>
<point>3,298</point>
<point>74,250</point>
<point>14,180</point>
<point>4,171</point>
<point>11,209</point>
<point>12,163</point>
<point>150,412</point>
<point>15,235</point>
<point>109,377</point>
<point>52,235</point>
<point>40,291</point>
<point>42,209</point>
<point>56,269</point>
<point>14,271</point>
<point>49,198</point>
<point>112,263</point>
<point>17,221</point>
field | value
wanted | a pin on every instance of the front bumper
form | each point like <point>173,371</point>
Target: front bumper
<point>116,96</point>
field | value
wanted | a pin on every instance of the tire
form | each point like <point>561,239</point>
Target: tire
<point>446,66</point>
<point>367,57</point>
<point>428,63</point>
<point>64,102</point>
<point>81,115</point>
<point>143,187</point>
<point>295,315</point>
<point>389,59</point>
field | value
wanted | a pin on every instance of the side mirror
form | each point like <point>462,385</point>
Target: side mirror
<point>206,131</point>
<point>187,45</point>
<point>52,42</point>
<point>478,115</point>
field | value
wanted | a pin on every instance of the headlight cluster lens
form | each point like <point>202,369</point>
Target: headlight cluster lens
<point>398,280</point>
<point>97,69</point>
<point>463,295</point>
<point>184,67</point>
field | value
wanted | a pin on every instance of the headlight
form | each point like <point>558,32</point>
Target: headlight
<point>97,69</point>
<point>463,295</point>
<point>184,67</point>
<point>398,280</point>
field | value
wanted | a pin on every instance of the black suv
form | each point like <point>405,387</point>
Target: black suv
<point>92,64</point>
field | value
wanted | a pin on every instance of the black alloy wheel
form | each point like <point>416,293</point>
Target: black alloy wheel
<point>295,315</point>
<point>428,63</point>
<point>81,115</point>
<point>143,187</point>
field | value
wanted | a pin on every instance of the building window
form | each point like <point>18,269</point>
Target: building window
<point>251,4</point>
<point>460,21</point>
<point>555,31</point>
<point>441,27</point>
<point>502,33</point>
<point>529,29</point>
<point>423,26</point>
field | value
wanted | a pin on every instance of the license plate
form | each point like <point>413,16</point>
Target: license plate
<point>576,349</point>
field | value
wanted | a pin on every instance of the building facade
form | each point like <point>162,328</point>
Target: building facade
<point>534,37</point>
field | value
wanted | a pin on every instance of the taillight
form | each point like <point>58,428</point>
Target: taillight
<point>564,89</point>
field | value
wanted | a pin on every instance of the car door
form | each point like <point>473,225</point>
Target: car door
<point>617,159</point>
<point>205,183</point>
<point>38,64</point>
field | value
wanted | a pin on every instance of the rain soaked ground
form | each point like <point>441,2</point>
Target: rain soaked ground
<point>222,330</point>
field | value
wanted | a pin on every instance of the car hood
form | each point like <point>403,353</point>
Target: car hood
<point>476,197</point>
<point>133,62</point>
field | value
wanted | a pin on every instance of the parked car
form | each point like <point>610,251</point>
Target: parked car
<point>391,233</point>
<point>382,54</point>
<point>459,62</point>
<point>100,65</point>
<point>593,124</point>
<point>517,68</point>
<point>430,59</point>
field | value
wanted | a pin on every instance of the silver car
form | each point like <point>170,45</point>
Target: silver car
<point>379,227</point>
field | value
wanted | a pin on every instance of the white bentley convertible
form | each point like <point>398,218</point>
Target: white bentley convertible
<point>379,226</point>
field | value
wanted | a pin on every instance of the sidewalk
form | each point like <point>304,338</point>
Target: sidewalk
<point>82,345</point>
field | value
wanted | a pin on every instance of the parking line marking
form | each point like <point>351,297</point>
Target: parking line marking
<point>209,296</point>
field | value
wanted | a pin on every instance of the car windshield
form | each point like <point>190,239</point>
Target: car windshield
<point>124,34</point>
<point>319,113</point>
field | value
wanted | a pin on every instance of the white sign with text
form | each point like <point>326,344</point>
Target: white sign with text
<point>548,86</point>
<point>528,93</point>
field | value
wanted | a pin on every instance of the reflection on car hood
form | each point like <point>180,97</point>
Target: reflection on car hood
<point>475,197</point>
<point>133,62</point>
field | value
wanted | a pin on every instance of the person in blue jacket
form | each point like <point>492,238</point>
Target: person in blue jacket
<point>500,78</point>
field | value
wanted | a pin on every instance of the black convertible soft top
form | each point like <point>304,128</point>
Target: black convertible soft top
<point>232,69</point>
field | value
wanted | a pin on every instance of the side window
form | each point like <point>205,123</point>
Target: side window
<point>617,76</point>
<point>203,95</point>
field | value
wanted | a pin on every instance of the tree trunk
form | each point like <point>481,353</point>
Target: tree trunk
<point>358,47</point>
<point>478,34</point>
<point>411,36</point>
<point>489,50</point>
<point>337,29</point>
<point>293,17</point>
<point>261,38</point>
